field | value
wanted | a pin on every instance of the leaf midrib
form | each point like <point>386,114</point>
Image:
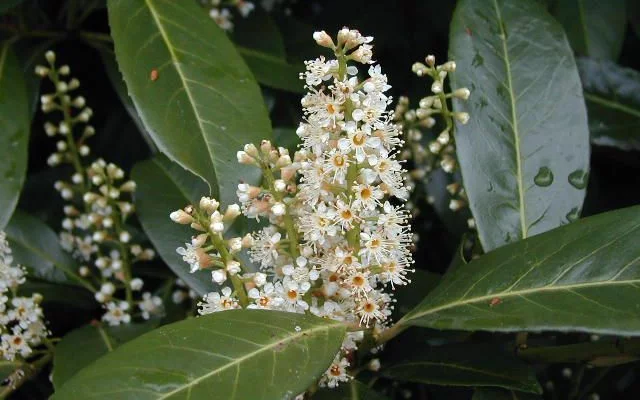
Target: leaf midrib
<point>183,79</point>
<point>612,104</point>
<point>239,360</point>
<point>516,132</point>
<point>524,292</point>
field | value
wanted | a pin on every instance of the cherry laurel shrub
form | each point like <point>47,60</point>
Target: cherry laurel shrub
<point>198,213</point>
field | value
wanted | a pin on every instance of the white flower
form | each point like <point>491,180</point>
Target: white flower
<point>150,305</point>
<point>264,249</point>
<point>336,373</point>
<point>189,255</point>
<point>116,313</point>
<point>214,301</point>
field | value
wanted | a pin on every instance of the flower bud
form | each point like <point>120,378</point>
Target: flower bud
<point>208,204</point>
<point>323,39</point>
<point>231,213</point>
<point>50,56</point>
<point>461,117</point>
<point>181,217</point>
<point>233,267</point>
<point>431,60</point>
<point>436,87</point>
<point>41,71</point>
<point>219,276</point>
<point>462,93</point>
<point>278,209</point>
<point>449,66</point>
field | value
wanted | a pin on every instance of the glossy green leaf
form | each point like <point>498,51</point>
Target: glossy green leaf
<point>260,43</point>
<point>465,365</point>
<point>527,138</point>
<point>194,93</point>
<point>272,71</point>
<point>37,247</point>
<point>239,354</point>
<point>111,67</point>
<point>15,122</point>
<point>163,187</point>
<point>501,394</point>
<point>95,341</point>
<point>581,277</point>
<point>612,94</point>
<point>353,390</point>
<point>595,28</point>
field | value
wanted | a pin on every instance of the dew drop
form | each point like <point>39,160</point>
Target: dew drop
<point>573,215</point>
<point>578,179</point>
<point>544,177</point>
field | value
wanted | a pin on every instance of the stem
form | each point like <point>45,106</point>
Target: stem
<point>238,286</point>
<point>29,371</point>
<point>290,227</point>
<point>390,333</point>
<point>68,120</point>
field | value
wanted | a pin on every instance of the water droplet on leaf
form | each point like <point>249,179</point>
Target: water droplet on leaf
<point>578,179</point>
<point>544,177</point>
<point>573,215</point>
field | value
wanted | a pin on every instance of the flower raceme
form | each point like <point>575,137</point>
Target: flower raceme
<point>21,320</point>
<point>98,206</point>
<point>335,240</point>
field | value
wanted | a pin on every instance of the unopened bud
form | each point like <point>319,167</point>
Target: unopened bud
<point>50,56</point>
<point>181,217</point>
<point>431,60</point>
<point>449,66</point>
<point>461,117</point>
<point>323,39</point>
<point>462,93</point>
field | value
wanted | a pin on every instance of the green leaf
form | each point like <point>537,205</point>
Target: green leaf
<point>501,394</point>
<point>163,187</point>
<point>37,247</point>
<point>272,71</point>
<point>15,122</point>
<point>612,94</point>
<point>581,277</point>
<point>594,28</point>
<point>465,365</point>
<point>67,295</point>
<point>239,354</point>
<point>527,137</point>
<point>259,32</point>
<point>202,104</point>
<point>95,340</point>
<point>353,390</point>
<point>111,67</point>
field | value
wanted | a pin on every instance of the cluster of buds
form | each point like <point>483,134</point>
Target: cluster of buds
<point>220,11</point>
<point>98,205</point>
<point>21,324</point>
<point>336,243</point>
<point>440,150</point>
